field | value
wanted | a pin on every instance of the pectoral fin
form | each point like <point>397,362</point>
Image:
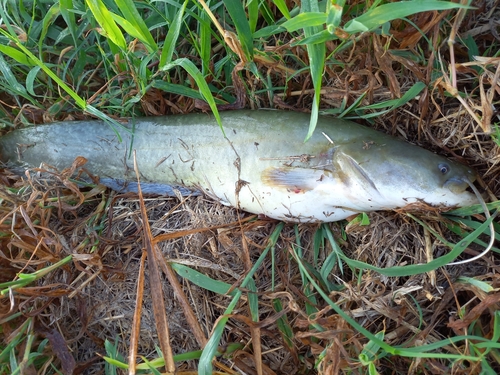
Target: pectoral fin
<point>353,171</point>
<point>294,179</point>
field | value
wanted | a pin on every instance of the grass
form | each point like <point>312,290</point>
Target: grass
<point>378,62</point>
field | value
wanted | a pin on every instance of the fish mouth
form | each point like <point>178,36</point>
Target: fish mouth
<point>463,188</point>
<point>456,185</point>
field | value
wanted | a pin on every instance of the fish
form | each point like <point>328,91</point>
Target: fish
<point>259,163</point>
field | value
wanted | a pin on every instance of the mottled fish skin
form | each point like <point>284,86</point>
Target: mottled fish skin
<point>262,165</point>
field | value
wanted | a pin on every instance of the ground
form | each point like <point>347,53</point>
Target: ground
<point>291,294</point>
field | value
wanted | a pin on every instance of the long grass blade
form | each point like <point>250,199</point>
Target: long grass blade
<point>316,54</point>
<point>132,16</point>
<point>421,268</point>
<point>283,8</point>
<point>66,9</point>
<point>105,19</point>
<point>379,15</point>
<point>202,280</point>
<point>205,365</point>
<point>424,351</point>
<point>205,42</point>
<point>200,81</point>
<point>172,36</point>
<point>238,15</point>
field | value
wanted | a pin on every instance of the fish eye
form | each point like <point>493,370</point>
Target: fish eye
<point>444,168</point>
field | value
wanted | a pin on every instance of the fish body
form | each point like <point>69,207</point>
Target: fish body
<point>261,165</point>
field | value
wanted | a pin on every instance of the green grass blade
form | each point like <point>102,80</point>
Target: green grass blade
<point>371,349</point>
<point>105,19</point>
<point>330,262</point>
<point>475,224</point>
<point>316,54</point>
<point>205,365</point>
<point>79,101</point>
<point>268,31</point>
<point>15,54</point>
<point>66,8</point>
<point>395,103</point>
<point>494,342</point>
<point>311,300</point>
<point>253,14</point>
<point>321,37</point>
<point>51,15</point>
<point>177,89</point>
<point>151,367</point>
<point>210,350</point>
<point>30,80</point>
<point>474,209</point>
<point>379,15</point>
<point>25,279</point>
<point>479,284</point>
<point>202,280</point>
<point>205,41</point>
<point>335,246</point>
<point>457,229</point>
<point>21,332</point>
<point>238,15</point>
<point>200,81</point>
<point>283,8</point>
<point>421,268</point>
<point>304,20</point>
<point>353,106</point>
<point>172,36</point>
<point>266,13</point>
<point>334,17</point>
<point>130,13</point>
<point>424,351</point>
<point>253,300</point>
<point>115,359</point>
<point>389,105</point>
<point>132,30</point>
<point>284,327</point>
<point>12,82</point>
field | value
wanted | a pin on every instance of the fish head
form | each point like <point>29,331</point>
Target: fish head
<point>396,173</point>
